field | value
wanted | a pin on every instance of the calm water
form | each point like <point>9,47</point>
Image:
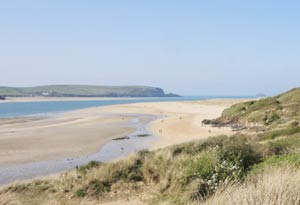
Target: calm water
<point>16,109</point>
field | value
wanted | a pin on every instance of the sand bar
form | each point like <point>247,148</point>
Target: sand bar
<point>37,146</point>
<point>83,132</point>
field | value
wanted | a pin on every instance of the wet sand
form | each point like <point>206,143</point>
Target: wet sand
<point>82,132</point>
<point>58,137</point>
<point>182,121</point>
<point>66,140</point>
<point>112,150</point>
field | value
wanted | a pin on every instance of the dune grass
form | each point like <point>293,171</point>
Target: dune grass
<point>186,173</point>
<point>196,172</point>
<point>273,187</point>
<point>267,111</point>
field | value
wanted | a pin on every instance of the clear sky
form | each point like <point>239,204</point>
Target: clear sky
<point>187,47</point>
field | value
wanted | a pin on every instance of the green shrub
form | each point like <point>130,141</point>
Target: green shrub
<point>130,173</point>
<point>200,169</point>
<point>193,148</point>
<point>80,193</point>
<point>89,166</point>
<point>272,117</point>
<point>229,161</point>
<point>97,187</point>
<point>200,166</point>
<point>94,188</point>
<point>240,152</point>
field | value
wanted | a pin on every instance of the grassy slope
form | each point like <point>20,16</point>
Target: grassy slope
<point>84,90</point>
<point>281,109</point>
<point>180,174</point>
<point>261,168</point>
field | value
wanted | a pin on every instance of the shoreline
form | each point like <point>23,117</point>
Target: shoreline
<point>55,99</point>
<point>58,99</point>
<point>70,134</point>
<point>181,122</point>
<point>122,148</point>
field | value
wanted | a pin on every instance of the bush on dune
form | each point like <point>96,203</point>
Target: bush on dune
<point>226,161</point>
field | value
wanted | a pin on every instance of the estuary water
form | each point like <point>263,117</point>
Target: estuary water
<point>19,109</point>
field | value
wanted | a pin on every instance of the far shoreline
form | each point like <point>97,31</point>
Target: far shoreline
<point>50,99</point>
<point>57,99</point>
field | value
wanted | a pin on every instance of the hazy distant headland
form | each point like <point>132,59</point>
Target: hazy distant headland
<point>84,91</point>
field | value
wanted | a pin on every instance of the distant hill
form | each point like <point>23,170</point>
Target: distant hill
<point>84,91</point>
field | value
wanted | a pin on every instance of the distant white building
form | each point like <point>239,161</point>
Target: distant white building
<point>45,94</point>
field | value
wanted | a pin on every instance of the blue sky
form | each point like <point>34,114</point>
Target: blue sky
<point>187,47</point>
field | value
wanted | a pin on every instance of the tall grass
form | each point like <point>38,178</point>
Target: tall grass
<point>187,173</point>
<point>177,175</point>
<point>275,186</point>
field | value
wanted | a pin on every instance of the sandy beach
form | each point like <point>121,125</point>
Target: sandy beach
<point>71,135</point>
<point>82,132</point>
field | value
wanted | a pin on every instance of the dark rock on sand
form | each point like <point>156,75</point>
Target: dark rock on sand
<point>224,123</point>
<point>142,135</point>
<point>122,138</point>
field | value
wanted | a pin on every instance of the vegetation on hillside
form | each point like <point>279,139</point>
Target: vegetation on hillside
<point>84,91</point>
<point>187,173</point>
<point>247,168</point>
<point>267,112</point>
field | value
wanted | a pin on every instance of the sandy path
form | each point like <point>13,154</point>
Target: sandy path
<point>84,131</point>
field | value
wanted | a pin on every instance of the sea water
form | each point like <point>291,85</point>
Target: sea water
<point>18,109</point>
